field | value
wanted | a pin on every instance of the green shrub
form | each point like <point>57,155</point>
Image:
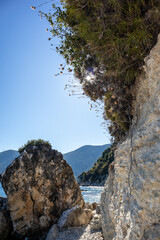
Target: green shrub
<point>37,143</point>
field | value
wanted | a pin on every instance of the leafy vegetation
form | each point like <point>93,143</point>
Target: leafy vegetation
<point>100,169</point>
<point>36,143</point>
<point>108,41</point>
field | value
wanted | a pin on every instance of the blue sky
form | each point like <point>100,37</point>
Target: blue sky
<point>33,103</point>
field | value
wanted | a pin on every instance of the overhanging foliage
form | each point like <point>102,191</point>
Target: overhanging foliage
<point>108,40</point>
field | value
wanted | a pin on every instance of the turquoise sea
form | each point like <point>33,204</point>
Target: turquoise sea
<point>90,194</point>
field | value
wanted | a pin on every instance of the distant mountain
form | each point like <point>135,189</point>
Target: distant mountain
<point>6,158</point>
<point>83,158</point>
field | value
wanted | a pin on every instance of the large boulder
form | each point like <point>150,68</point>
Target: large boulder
<point>39,186</point>
<point>5,221</point>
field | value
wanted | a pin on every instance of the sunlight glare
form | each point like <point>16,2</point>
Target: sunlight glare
<point>88,78</point>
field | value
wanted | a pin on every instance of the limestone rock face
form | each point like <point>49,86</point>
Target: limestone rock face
<point>5,221</point>
<point>130,202</point>
<point>39,186</point>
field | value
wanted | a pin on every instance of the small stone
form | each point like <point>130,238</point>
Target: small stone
<point>96,222</point>
<point>76,216</point>
<point>88,205</point>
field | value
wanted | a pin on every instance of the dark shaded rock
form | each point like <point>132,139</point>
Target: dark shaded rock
<point>94,205</point>
<point>5,221</point>
<point>3,203</point>
<point>98,209</point>
<point>53,232</point>
<point>39,185</point>
<point>152,232</point>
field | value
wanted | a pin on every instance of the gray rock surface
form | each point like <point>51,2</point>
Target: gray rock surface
<point>5,221</point>
<point>130,202</point>
<point>53,233</point>
<point>76,216</point>
<point>80,233</point>
<point>39,186</point>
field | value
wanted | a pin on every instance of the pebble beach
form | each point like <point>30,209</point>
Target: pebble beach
<point>80,233</point>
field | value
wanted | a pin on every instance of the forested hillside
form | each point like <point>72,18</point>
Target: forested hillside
<point>83,158</point>
<point>99,172</point>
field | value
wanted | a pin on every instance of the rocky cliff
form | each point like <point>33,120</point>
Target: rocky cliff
<point>130,203</point>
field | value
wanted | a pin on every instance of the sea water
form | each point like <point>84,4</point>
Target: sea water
<point>90,194</point>
<point>2,193</point>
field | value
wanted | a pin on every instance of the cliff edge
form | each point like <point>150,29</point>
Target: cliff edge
<point>130,202</point>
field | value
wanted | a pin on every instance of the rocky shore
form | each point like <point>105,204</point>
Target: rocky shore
<point>80,233</point>
<point>87,227</point>
<point>94,184</point>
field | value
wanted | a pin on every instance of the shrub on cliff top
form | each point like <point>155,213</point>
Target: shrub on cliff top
<point>36,143</point>
<point>108,40</point>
